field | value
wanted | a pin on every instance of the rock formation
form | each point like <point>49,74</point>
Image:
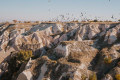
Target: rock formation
<point>61,51</point>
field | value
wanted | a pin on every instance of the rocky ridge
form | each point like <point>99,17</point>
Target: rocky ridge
<point>65,51</point>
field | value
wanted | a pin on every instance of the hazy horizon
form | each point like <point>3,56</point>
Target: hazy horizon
<point>33,10</point>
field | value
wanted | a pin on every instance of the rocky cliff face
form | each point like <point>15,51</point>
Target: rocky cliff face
<point>63,51</point>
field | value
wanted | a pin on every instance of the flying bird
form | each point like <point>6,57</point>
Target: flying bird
<point>49,1</point>
<point>81,14</point>
<point>112,17</point>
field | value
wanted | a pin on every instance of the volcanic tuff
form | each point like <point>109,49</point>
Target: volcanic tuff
<point>63,51</point>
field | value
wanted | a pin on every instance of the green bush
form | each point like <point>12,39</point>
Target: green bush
<point>117,76</point>
<point>119,20</point>
<point>108,60</point>
<point>118,63</point>
<point>93,77</point>
<point>95,20</point>
<point>24,55</point>
<point>16,60</point>
<point>83,77</point>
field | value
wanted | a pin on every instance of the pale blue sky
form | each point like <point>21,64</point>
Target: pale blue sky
<point>45,10</point>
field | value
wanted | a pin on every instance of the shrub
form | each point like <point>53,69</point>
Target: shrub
<point>108,60</point>
<point>70,79</point>
<point>119,20</point>
<point>117,76</point>
<point>19,21</point>
<point>24,55</point>
<point>18,59</point>
<point>93,77</point>
<point>95,20</point>
<point>28,21</point>
<point>75,21</point>
<point>83,77</point>
<point>84,21</point>
<point>118,63</point>
<point>15,62</point>
<point>15,21</point>
<point>37,22</point>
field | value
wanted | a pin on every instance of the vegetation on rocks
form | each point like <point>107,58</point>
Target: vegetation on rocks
<point>24,55</point>
<point>108,60</point>
<point>117,76</point>
<point>82,49</point>
<point>17,59</point>
<point>119,20</point>
<point>93,77</point>
<point>83,77</point>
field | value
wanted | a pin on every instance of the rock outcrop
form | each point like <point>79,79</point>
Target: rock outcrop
<point>73,63</point>
<point>25,75</point>
<point>62,51</point>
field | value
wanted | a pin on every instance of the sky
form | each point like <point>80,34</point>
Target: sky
<point>34,10</point>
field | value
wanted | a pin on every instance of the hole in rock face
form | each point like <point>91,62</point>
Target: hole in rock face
<point>74,57</point>
<point>65,78</point>
<point>74,61</point>
<point>118,51</point>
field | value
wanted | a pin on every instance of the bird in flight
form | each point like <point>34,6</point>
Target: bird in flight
<point>49,1</point>
<point>81,14</point>
<point>112,17</point>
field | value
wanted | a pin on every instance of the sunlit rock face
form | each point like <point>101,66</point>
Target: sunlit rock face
<point>112,34</point>
<point>47,33</point>
<point>62,50</point>
<point>56,70</point>
<point>65,51</point>
<point>66,47</point>
<point>108,59</point>
<point>25,75</point>
<point>74,62</point>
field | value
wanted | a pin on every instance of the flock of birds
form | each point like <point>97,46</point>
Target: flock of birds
<point>70,17</point>
<point>50,1</point>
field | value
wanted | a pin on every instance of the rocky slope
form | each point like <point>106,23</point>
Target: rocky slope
<point>62,51</point>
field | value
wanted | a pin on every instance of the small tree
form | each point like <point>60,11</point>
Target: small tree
<point>28,21</point>
<point>19,21</point>
<point>24,55</point>
<point>15,21</point>
<point>95,20</point>
<point>118,63</point>
<point>93,77</point>
<point>16,60</point>
<point>119,20</point>
<point>37,22</point>
<point>108,60</point>
<point>83,77</point>
<point>117,76</point>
